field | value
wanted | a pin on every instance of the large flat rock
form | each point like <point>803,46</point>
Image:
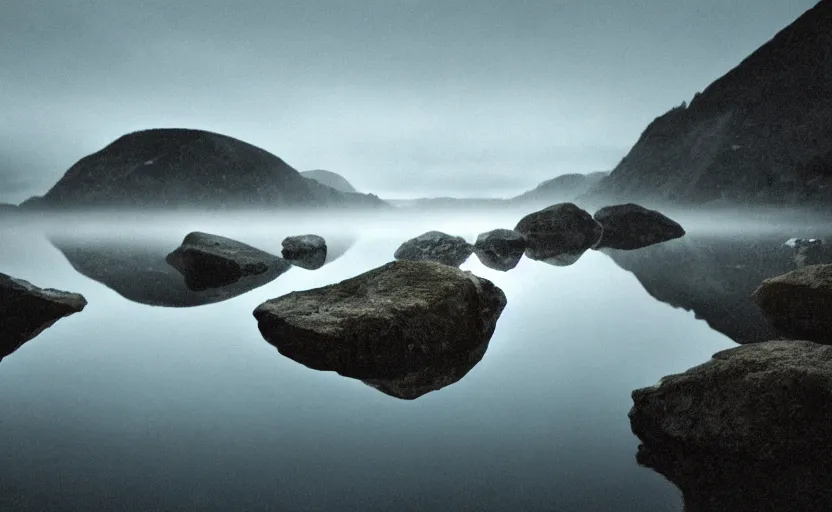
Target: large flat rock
<point>392,322</point>
<point>748,430</point>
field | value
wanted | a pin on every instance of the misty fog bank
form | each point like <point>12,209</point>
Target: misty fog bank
<point>402,221</point>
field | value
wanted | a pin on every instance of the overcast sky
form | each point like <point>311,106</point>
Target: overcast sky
<point>404,98</point>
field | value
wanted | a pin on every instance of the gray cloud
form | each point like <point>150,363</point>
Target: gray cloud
<point>401,96</point>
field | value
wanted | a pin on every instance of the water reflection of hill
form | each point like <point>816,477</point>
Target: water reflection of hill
<point>714,276</point>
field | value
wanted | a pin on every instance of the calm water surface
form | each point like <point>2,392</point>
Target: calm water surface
<point>128,406</point>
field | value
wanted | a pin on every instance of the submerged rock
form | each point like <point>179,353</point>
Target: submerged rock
<point>500,249</point>
<point>305,251</point>
<point>435,246</point>
<point>405,328</point>
<point>748,430</point>
<point>26,311</point>
<point>799,304</point>
<point>211,261</point>
<point>556,230</point>
<point>630,226</point>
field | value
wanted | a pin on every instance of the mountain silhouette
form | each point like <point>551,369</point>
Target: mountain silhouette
<point>761,134</point>
<point>181,169</point>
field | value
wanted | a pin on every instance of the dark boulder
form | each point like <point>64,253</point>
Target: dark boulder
<point>305,251</point>
<point>762,400</point>
<point>798,304</point>
<point>748,430</point>
<point>630,226</point>
<point>559,229</point>
<point>405,328</point>
<point>26,311</point>
<point>500,249</point>
<point>435,246</point>
<point>807,251</point>
<point>211,261</point>
<point>136,268</point>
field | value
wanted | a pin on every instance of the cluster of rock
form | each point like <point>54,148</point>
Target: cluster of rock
<point>212,261</point>
<point>213,267</point>
<point>420,323</point>
<point>558,234</point>
<point>757,415</point>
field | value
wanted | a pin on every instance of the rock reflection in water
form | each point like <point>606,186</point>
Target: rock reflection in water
<point>714,276</point>
<point>563,259</point>
<point>434,375</point>
<point>717,482</point>
<point>137,270</point>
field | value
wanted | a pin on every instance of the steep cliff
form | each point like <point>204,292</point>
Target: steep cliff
<point>760,134</point>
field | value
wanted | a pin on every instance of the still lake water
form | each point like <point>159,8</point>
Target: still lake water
<point>128,406</point>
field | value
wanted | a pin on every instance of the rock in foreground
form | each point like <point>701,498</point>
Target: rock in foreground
<point>435,246</point>
<point>26,311</point>
<point>211,261</point>
<point>500,249</point>
<point>761,400</point>
<point>556,230</point>
<point>388,326</point>
<point>799,304</point>
<point>305,251</point>
<point>748,430</point>
<point>630,226</point>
